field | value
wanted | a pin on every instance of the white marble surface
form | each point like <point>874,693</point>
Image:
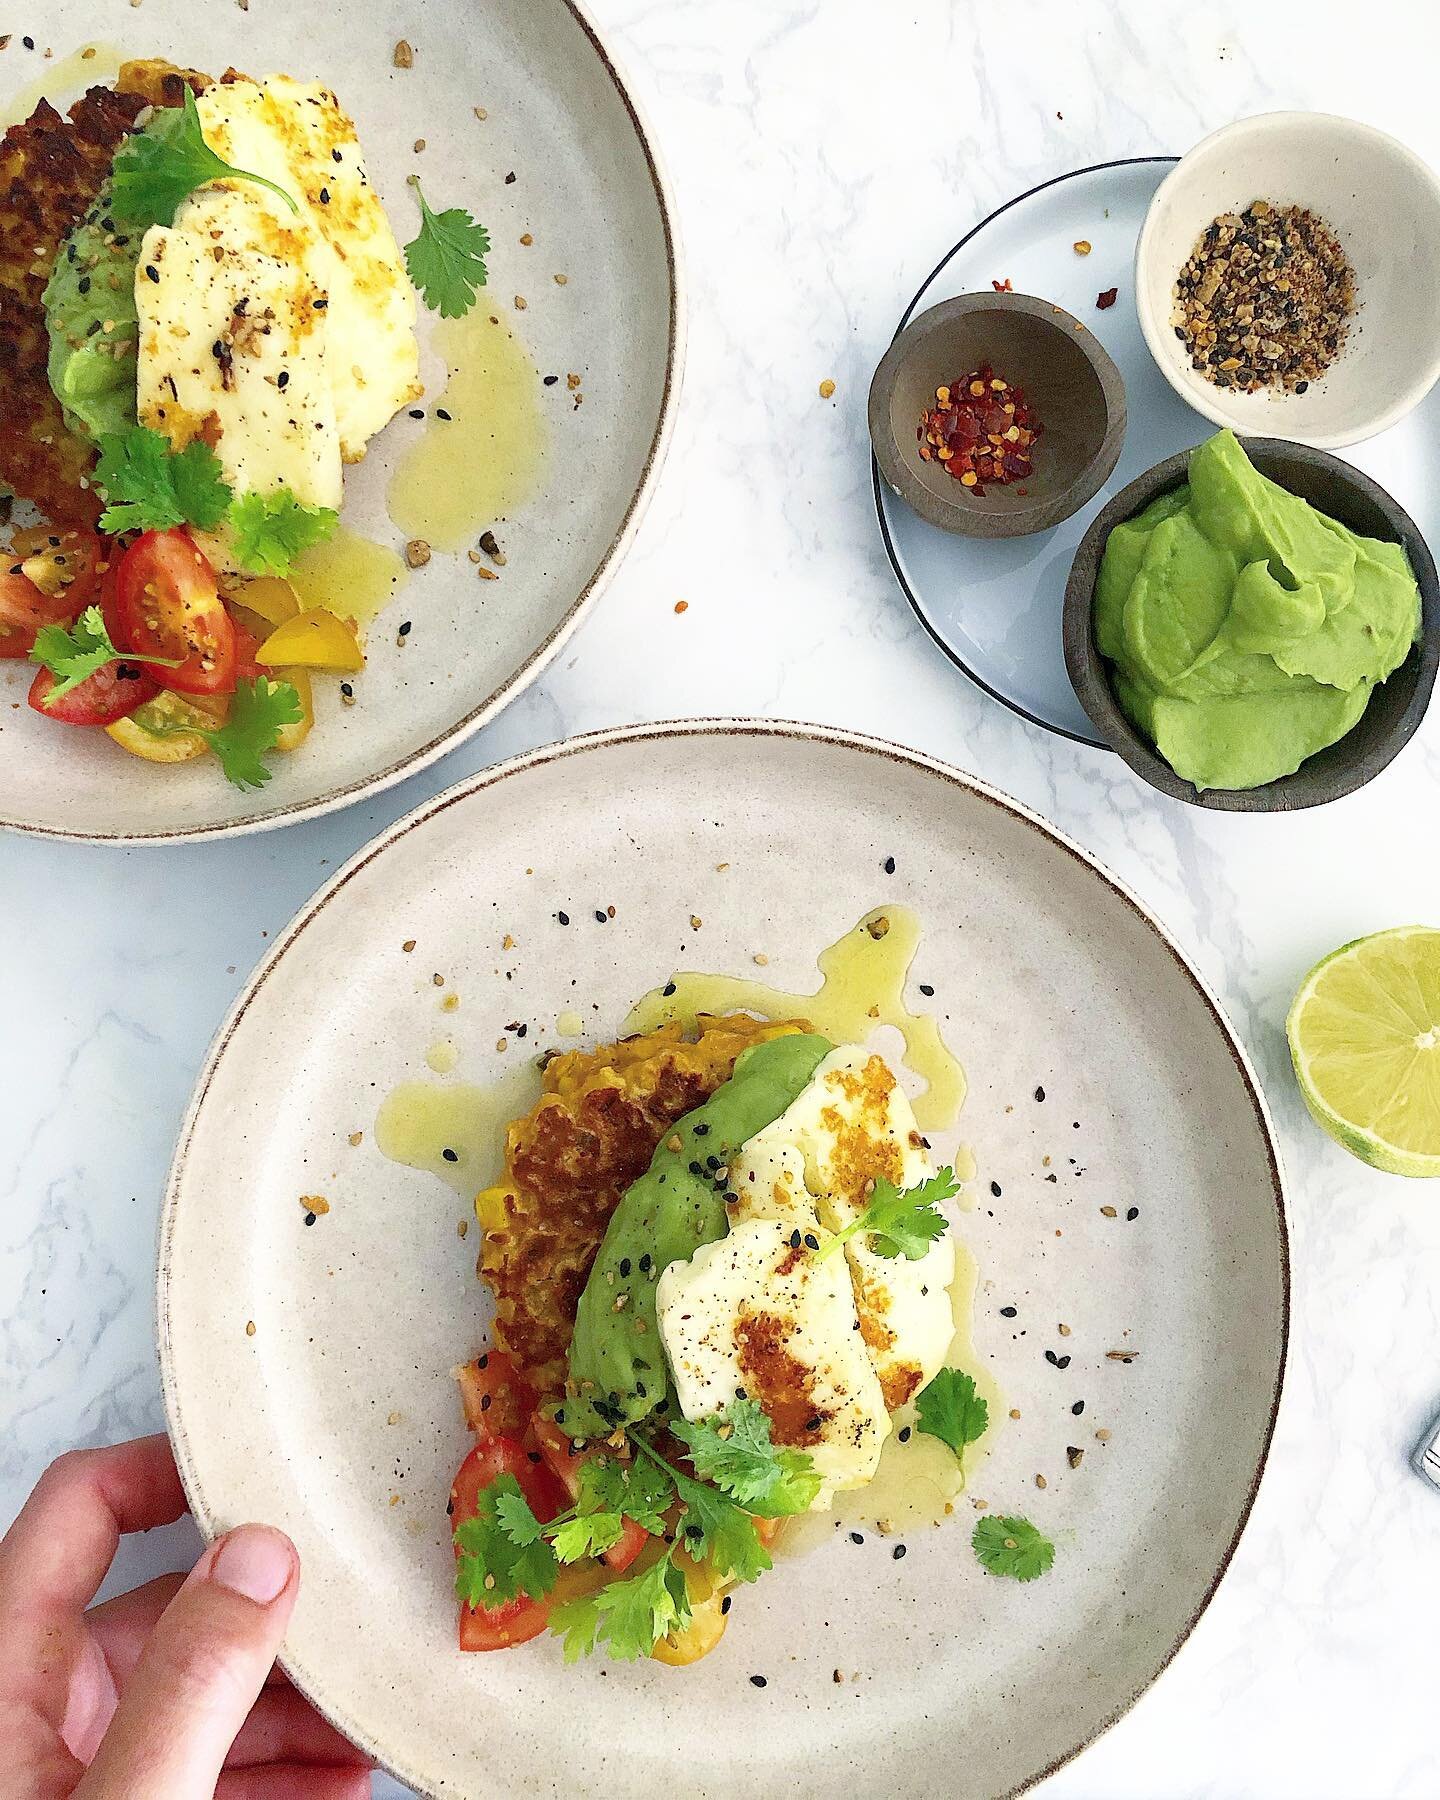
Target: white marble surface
<point>823,156</point>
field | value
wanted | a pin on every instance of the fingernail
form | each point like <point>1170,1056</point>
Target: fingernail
<point>254,1561</point>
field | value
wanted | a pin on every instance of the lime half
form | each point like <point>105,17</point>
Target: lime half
<point>1365,1037</point>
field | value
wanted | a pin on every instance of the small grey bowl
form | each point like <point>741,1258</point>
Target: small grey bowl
<point>1397,705</point>
<point>1057,363</point>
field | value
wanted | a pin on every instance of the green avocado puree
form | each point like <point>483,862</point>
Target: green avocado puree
<point>616,1360</point>
<point>1245,629</point>
<point>93,325</point>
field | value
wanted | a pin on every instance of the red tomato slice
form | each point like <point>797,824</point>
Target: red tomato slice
<point>110,694</point>
<point>518,1620</point>
<point>496,1396</point>
<point>565,1463</point>
<point>24,607</point>
<point>170,605</point>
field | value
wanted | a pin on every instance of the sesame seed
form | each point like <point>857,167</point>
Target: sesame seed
<point>1008,1312</point>
<point>440,413</point>
<point>897,1552</point>
<point>889,865</point>
<point>450,1155</point>
<point>856,1537</point>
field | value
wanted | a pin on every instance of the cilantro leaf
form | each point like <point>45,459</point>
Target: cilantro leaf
<point>271,530</point>
<point>715,1529</point>
<point>447,260</point>
<point>151,487</point>
<point>591,1534</point>
<point>629,1617</point>
<point>1010,1546</point>
<point>491,1567</point>
<point>155,169</point>
<point>74,655</point>
<point>259,710</point>
<point>733,1449</point>
<point>516,1520</point>
<point>902,1221</point>
<point>948,1408</point>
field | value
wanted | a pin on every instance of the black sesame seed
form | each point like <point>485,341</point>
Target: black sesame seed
<point>1039,1093</point>
<point>84,284</point>
<point>440,413</point>
<point>624,1265</point>
<point>1062,1362</point>
<point>417,412</point>
<point>335,156</point>
<point>1052,1359</point>
<point>712,1162</point>
<point>1078,1408</point>
<point>563,917</point>
<point>404,630</point>
<point>645,1262</point>
<point>904,1434</point>
<point>510,178</point>
<point>794,1240</point>
<point>1302,387</point>
<point>697,1169</point>
<point>599,916</point>
<point>668,989</point>
<point>757,1681</point>
<point>898,1552</point>
<point>995,1189</point>
<point>282,380</point>
<point>1133,1213</point>
<point>811,1241</point>
<point>927,990</point>
<point>347,690</point>
<point>324,196</point>
<point>152,273</point>
<point>856,1537</point>
<point>450,1155</point>
<point>483,1360</point>
<point>725,1603</point>
<point>813,1422</point>
<point>533,1455</point>
<point>701,1129</point>
<point>309,1218</point>
<point>28,42</point>
<point>520,1030</point>
<point>550,380</point>
<point>1008,1312</point>
<point>889,865</point>
<point>485,1400</point>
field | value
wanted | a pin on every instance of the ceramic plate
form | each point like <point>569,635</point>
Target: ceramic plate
<point>995,608</point>
<point>337,1417</point>
<point>588,191</point>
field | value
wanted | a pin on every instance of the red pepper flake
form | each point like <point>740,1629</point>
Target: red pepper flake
<point>1107,299</point>
<point>1003,287</point>
<point>981,430</point>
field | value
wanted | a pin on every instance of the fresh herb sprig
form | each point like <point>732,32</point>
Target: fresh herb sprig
<point>447,260</point>
<point>159,167</point>
<point>901,1221</point>
<point>948,1408</point>
<point>505,1551</point>
<point>150,487</point>
<point>1011,1546</point>
<point>271,530</point>
<point>259,712</point>
<point>74,654</point>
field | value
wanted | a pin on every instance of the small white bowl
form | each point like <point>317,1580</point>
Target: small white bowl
<point>1381,201</point>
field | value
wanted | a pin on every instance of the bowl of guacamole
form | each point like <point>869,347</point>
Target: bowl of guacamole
<point>1253,625</point>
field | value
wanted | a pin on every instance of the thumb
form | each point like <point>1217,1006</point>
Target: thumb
<point>200,1673</point>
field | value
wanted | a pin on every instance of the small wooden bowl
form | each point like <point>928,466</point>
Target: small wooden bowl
<point>1397,705</point>
<point>1059,365</point>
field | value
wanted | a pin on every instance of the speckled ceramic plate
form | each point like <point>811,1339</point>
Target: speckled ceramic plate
<point>589,192</point>
<point>1050,980</point>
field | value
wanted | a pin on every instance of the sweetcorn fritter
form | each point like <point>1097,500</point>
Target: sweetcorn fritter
<point>594,1130</point>
<point>51,168</point>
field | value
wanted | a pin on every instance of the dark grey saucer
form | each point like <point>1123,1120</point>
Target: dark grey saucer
<point>1057,363</point>
<point>1396,707</point>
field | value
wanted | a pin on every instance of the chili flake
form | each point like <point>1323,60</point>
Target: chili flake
<point>981,430</point>
<point>1003,287</point>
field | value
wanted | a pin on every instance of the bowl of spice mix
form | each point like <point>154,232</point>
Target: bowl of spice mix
<point>996,415</point>
<point>1287,278</point>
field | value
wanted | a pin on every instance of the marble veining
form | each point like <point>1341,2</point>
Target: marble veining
<point>823,157</point>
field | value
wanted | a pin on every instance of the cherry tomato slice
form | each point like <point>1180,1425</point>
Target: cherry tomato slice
<point>496,1396</point>
<point>111,693</point>
<point>565,1463</point>
<point>24,607</point>
<point>170,605</point>
<point>515,1621</point>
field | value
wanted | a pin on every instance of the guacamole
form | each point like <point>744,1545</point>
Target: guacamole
<point>617,1365</point>
<point>1244,629</point>
<point>93,326</point>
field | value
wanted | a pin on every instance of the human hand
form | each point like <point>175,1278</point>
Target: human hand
<point>170,1690</point>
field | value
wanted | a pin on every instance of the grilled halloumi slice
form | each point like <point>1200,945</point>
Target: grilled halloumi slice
<point>285,340</point>
<point>751,1315</point>
<point>851,1126</point>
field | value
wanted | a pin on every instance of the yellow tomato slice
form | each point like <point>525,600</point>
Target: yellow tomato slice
<point>165,712</point>
<point>314,639</point>
<point>269,595</point>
